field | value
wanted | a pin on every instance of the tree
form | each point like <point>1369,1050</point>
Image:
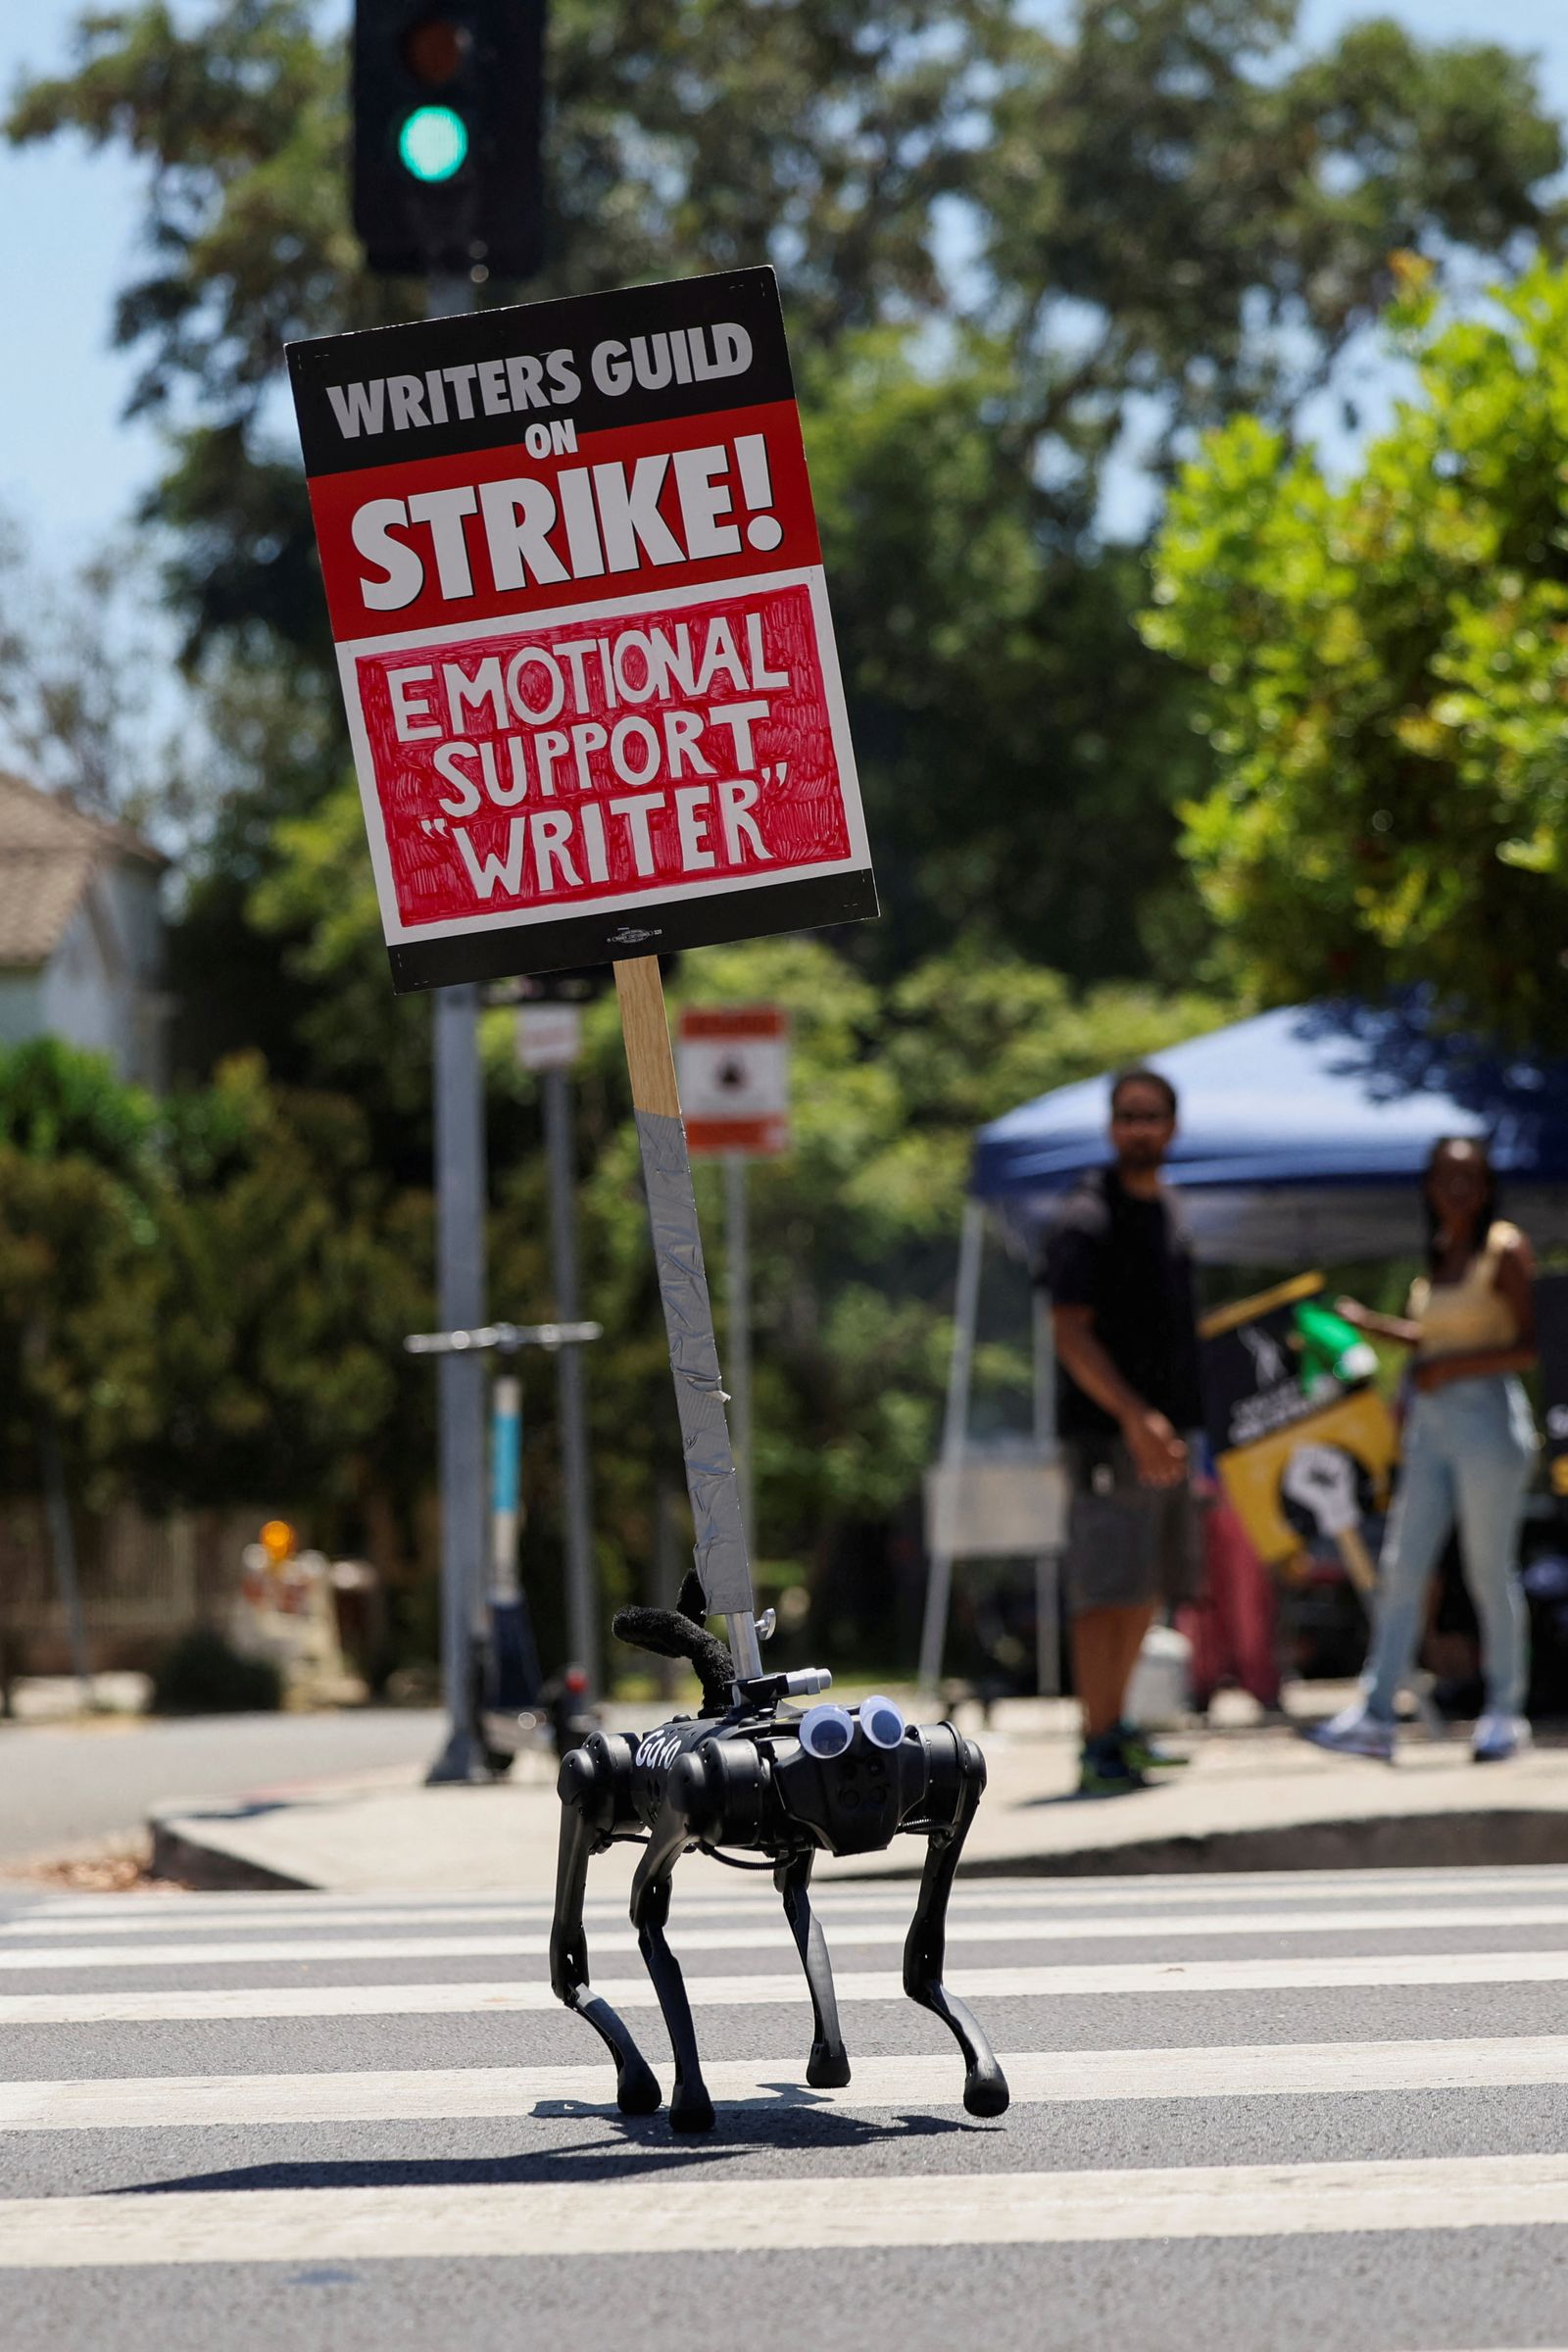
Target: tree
<point>1163,215</point>
<point>1384,669</point>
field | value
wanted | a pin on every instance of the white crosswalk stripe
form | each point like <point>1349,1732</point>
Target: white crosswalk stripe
<point>1266,2069</point>
<point>438,1998</point>
<point>194,1953</point>
<point>684,2216</point>
<point>998,2185</point>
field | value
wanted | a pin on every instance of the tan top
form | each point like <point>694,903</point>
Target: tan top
<point>1457,1317</point>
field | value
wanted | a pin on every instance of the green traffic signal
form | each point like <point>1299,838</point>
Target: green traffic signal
<point>433,143</point>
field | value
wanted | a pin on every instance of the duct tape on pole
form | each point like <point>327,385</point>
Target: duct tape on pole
<point>735,1092</point>
<point>575,581</point>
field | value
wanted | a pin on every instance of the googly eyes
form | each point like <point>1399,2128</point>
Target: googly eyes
<point>826,1732</point>
<point>881,1720</point>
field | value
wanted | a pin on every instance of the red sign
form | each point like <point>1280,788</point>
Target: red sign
<point>734,1079</point>
<point>573,575</point>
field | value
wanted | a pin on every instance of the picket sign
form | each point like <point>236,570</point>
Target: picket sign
<point>574,582</point>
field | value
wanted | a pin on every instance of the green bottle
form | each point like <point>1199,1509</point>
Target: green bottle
<point>1334,1354</point>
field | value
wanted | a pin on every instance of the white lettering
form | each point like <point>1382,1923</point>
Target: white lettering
<point>738,718</point>
<point>407,706</point>
<point>444,511</point>
<point>535,656</point>
<point>516,515</point>
<point>403,574</point>
<point>446,761</point>
<point>762,675</point>
<point>357,406</point>
<point>485,685</point>
<point>637,815</point>
<point>609,368</point>
<point>683,732</point>
<point>690,822</point>
<point>624,733</point>
<point>486,875</point>
<point>703,497</point>
<point>734,799</point>
<point>552,831</point>
<point>629,516</point>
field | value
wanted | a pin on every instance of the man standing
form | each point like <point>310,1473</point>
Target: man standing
<point>1117,1264</point>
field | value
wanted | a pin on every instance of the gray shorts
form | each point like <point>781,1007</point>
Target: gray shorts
<point>1128,1546</point>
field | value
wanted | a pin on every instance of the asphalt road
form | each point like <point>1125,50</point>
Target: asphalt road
<point>64,1786</point>
<point>1295,2113</point>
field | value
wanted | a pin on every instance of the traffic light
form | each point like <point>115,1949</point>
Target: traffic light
<point>448,105</point>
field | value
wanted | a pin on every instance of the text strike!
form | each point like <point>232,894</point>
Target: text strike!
<point>586,522</point>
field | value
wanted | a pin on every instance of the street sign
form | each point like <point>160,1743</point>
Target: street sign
<point>549,1036</point>
<point>573,575</point>
<point>734,1079</point>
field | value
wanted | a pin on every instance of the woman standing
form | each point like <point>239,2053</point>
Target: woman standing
<point>1469,1448</point>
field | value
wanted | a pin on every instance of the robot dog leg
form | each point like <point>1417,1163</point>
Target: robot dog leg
<point>829,2067</point>
<point>588,1789</point>
<point>958,1779</point>
<point>690,2107</point>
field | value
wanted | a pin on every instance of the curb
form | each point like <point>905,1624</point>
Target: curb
<point>1498,1837</point>
<point>206,1865</point>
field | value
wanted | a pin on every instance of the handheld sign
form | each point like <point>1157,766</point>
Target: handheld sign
<point>574,582</point>
<point>735,1079</point>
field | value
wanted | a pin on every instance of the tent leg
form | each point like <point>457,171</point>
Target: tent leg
<point>955,1430</point>
<point>1048,1563</point>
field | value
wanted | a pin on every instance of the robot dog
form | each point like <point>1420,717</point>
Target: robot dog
<point>754,1775</point>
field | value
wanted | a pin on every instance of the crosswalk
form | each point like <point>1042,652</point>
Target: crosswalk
<point>1314,2108</point>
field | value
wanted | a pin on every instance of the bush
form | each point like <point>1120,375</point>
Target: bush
<point>203,1675</point>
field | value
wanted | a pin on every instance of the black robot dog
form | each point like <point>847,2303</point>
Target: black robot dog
<point>752,1774</point>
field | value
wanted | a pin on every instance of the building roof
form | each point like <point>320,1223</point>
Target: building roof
<point>49,852</point>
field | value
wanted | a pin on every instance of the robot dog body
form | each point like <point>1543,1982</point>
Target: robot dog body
<point>760,1777</point>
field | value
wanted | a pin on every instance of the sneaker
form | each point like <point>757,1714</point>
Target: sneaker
<point>1142,1755</point>
<point>1354,1733</point>
<point>1105,1770</point>
<point>1500,1737</point>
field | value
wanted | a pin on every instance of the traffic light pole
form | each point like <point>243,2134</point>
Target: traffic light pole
<point>459,1206</point>
<point>582,1604</point>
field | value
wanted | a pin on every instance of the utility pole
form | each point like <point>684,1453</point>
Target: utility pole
<point>447,118</point>
<point>582,1598</point>
<point>459,1209</point>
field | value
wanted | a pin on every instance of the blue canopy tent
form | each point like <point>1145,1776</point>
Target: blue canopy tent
<point>1301,1138</point>
<point>1304,1133</point>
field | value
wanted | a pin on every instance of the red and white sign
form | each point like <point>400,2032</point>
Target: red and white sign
<point>573,575</point>
<point>549,1036</point>
<point>734,1071</point>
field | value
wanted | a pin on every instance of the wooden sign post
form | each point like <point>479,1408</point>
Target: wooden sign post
<point>710,1479</point>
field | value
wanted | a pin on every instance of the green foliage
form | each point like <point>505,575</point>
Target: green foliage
<point>207,1296</point>
<point>1385,668</point>
<point>200,1674</point>
<point>1166,211</point>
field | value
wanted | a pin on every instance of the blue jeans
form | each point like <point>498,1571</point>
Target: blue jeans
<point>1469,1450</point>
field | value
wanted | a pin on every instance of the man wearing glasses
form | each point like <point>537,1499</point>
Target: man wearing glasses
<point>1117,1264</point>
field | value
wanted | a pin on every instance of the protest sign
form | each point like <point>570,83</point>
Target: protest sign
<point>575,581</point>
<point>1319,1478</point>
<point>1273,1358</point>
<point>734,1079</point>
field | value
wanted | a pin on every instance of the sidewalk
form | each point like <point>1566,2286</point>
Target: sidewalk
<point>1257,1799</point>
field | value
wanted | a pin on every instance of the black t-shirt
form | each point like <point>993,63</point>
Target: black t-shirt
<point>1131,1261</point>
